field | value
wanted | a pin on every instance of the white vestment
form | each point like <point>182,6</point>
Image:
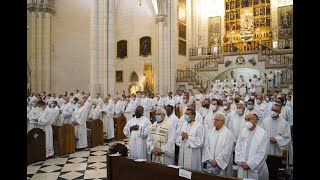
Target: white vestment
<point>67,110</point>
<point>44,123</point>
<point>129,111</point>
<point>190,149</point>
<point>252,148</point>
<point>162,136</point>
<point>286,113</point>
<point>95,113</point>
<point>280,130</point>
<point>218,145</point>
<point>138,138</point>
<point>107,119</point>
<point>55,114</point>
<point>80,116</point>
<point>236,125</point>
<point>34,114</point>
<point>228,114</point>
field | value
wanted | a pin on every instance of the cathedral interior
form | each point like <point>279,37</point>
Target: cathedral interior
<point>159,45</point>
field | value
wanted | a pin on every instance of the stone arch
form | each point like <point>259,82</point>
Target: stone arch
<point>133,78</point>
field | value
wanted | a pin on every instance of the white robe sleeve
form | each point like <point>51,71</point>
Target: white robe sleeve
<point>169,147</point>
<point>206,154</point>
<point>150,147</point>
<point>255,162</point>
<point>197,140</point>
<point>126,129</point>
<point>238,150</point>
<point>145,129</point>
<point>83,116</point>
<point>285,138</point>
<point>67,112</point>
<point>289,116</point>
<point>223,158</point>
<point>45,120</point>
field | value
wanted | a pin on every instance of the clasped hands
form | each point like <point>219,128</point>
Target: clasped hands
<point>74,123</point>
<point>244,165</point>
<point>134,127</point>
<point>157,152</point>
<point>184,135</point>
<point>273,140</point>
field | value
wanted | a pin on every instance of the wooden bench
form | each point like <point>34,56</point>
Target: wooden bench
<point>95,132</point>
<point>64,141</point>
<point>36,145</point>
<point>119,124</point>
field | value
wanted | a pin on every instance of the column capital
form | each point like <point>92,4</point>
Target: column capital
<point>161,18</point>
<point>42,6</point>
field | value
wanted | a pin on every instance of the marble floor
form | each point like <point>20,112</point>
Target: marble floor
<point>87,164</point>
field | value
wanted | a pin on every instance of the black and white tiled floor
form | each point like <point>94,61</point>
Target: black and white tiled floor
<point>90,163</point>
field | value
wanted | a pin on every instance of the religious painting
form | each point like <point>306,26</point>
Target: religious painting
<point>182,3</point>
<point>214,30</point>
<point>182,14</point>
<point>182,30</point>
<point>285,19</point>
<point>122,49</point>
<point>182,47</point>
<point>119,77</point>
<point>145,46</point>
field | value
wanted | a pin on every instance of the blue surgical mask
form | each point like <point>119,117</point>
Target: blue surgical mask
<point>187,118</point>
<point>239,111</point>
<point>230,101</point>
<point>158,118</point>
<point>267,99</point>
<point>250,107</point>
<point>258,101</point>
<point>97,97</point>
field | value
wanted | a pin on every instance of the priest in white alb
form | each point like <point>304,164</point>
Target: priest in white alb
<point>161,139</point>
<point>107,111</point>
<point>190,141</point>
<point>137,130</point>
<point>78,120</point>
<point>251,150</point>
<point>128,109</point>
<point>44,122</point>
<point>95,111</point>
<point>218,148</point>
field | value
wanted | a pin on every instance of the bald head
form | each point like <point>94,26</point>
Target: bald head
<point>191,106</point>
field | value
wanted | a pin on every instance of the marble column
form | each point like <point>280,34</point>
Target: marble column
<point>33,55</point>
<point>46,47</point>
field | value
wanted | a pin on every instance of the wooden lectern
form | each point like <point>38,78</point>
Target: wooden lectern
<point>95,138</point>
<point>119,124</point>
<point>36,145</point>
<point>63,139</point>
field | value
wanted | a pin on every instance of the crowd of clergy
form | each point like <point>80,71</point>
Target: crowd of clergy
<point>210,131</point>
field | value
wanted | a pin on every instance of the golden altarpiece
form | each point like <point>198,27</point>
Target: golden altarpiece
<point>247,23</point>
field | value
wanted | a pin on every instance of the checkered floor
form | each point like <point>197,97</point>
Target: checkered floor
<point>87,164</point>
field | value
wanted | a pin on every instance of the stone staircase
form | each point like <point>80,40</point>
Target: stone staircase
<point>208,61</point>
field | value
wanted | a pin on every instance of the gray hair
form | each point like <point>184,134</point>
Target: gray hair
<point>222,115</point>
<point>162,110</point>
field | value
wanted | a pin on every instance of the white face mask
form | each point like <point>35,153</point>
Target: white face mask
<point>274,114</point>
<point>214,107</point>
<point>64,102</point>
<point>248,125</point>
<point>225,107</point>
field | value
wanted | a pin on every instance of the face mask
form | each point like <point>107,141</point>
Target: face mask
<point>252,97</point>
<point>169,112</point>
<point>186,118</point>
<point>158,118</point>
<point>239,111</point>
<point>225,107</point>
<point>236,100</point>
<point>139,96</point>
<point>250,107</point>
<point>184,101</point>
<point>230,101</point>
<point>206,106</point>
<point>258,101</point>
<point>214,107</point>
<point>158,98</point>
<point>64,101</point>
<point>267,99</point>
<point>274,115</point>
<point>138,114</point>
<point>248,125</point>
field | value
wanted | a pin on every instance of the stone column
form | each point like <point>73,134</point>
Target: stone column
<point>40,42</point>
<point>162,61</point>
<point>109,49</point>
<point>94,48</point>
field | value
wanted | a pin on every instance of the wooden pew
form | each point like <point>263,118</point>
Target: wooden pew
<point>95,135</point>
<point>63,139</point>
<point>119,124</point>
<point>123,168</point>
<point>36,145</point>
<point>275,164</point>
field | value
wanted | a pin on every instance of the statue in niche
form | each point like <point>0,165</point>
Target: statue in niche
<point>145,84</point>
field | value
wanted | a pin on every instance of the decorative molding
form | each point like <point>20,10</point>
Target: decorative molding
<point>41,7</point>
<point>161,18</point>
